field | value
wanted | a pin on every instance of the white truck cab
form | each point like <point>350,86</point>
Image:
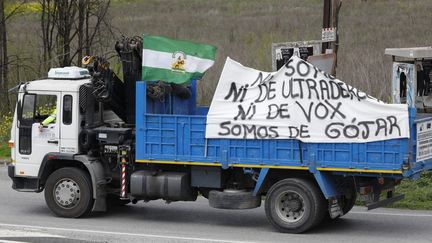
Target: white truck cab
<point>50,142</point>
<point>56,97</point>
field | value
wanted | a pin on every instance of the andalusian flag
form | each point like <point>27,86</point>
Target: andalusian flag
<point>175,61</point>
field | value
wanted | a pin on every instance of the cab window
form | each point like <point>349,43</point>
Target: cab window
<point>46,108</point>
<point>35,109</point>
<point>67,109</point>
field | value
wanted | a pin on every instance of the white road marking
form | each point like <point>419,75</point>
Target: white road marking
<point>11,241</point>
<point>123,233</point>
<point>22,233</point>
<point>394,214</point>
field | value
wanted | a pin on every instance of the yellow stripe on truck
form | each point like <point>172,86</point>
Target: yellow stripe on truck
<point>269,166</point>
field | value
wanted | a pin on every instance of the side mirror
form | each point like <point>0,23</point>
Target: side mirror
<point>26,110</point>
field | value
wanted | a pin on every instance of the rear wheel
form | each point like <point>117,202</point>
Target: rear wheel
<point>294,205</point>
<point>349,196</point>
<point>349,202</point>
<point>68,192</point>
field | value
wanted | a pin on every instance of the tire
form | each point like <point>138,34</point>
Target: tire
<point>303,201</point>
<point>348,199</point>
<point>348,203</point>
<point>233,199</point>
<point>68,192</point>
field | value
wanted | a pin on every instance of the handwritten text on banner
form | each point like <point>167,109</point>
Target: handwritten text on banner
<point>299,102</point>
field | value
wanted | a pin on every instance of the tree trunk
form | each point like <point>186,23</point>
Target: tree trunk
<point>3,62</point>
<point>48,23</point>
<point>69,29</point>
<point>81,17</point>
<point>45,32</point>
<point>87,34</point>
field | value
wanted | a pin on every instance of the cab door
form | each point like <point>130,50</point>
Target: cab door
<point>69,123</point>
<point>38,131</point>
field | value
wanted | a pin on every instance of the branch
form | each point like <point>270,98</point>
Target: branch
<point>99,20</point>
<point>15,10</point>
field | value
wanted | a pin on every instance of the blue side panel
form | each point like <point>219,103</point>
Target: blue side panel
<point>185,106</point>
<point>202,110</point>
<point>140,110</point>
<point>382,155</point>
<point>181,137</point>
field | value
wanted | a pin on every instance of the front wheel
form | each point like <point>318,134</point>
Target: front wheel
<point>68,192</point>
<point>294,205</point>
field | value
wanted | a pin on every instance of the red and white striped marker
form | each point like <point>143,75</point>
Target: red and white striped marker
<point>123,180</point>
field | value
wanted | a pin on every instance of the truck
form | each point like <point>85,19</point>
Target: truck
<point>115,142</point>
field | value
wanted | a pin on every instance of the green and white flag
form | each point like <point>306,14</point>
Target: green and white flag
<point>175,61</point>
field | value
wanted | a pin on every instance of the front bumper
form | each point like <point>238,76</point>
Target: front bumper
<point>26,184</point>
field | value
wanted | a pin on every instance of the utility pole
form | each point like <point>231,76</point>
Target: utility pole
<point>326,21</point>
<point>331,19</point>
<point>337,4</point>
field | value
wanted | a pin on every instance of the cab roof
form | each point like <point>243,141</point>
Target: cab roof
<point>413,52</point>
<point>61,85</point>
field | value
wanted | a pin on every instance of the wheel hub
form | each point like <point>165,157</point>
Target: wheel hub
<point>67,193</point>
<point>294,205</point>
<point>290,206</point>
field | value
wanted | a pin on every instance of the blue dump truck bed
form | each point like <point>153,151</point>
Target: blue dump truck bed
<point>180,139</point>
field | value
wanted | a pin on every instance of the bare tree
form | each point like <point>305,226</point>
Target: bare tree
<point>3,48</point>
<point>4,60</point>
<point>66,12</point>
<point>82,13</point>
<point>70,28</point>
<point>48,18</point>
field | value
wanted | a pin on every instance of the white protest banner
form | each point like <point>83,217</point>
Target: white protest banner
<point>299,102</point>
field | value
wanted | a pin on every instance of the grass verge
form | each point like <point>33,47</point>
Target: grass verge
<point>418,193</point>
<point>4,152</point>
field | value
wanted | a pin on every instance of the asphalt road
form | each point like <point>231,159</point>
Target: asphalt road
<point>24,217</point>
